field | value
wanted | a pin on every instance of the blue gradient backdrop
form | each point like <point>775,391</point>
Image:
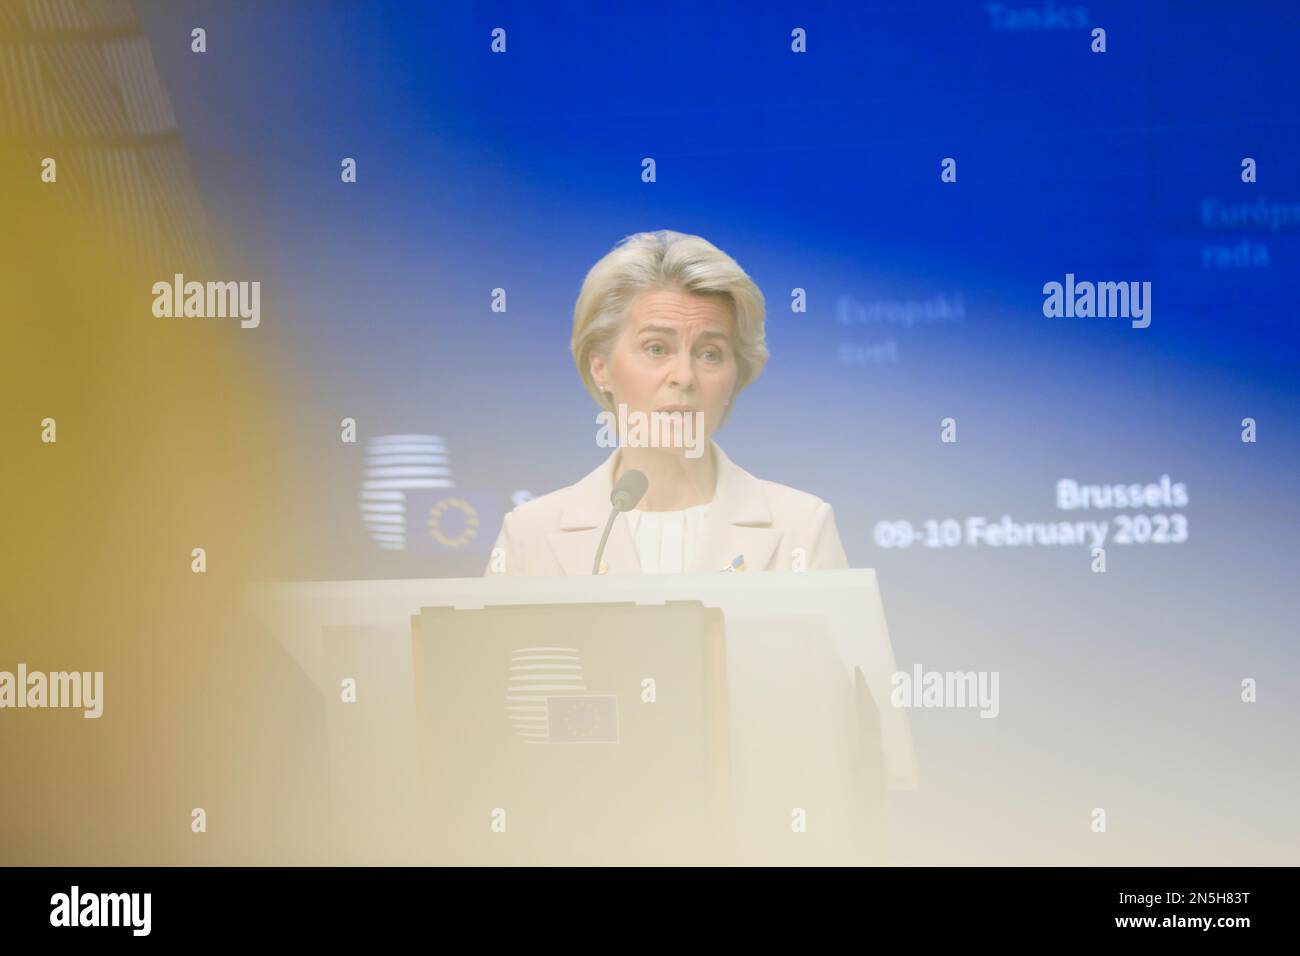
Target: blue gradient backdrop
<point>821,171</point>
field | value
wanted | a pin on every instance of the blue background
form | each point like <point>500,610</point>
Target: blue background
<point>821,171</point>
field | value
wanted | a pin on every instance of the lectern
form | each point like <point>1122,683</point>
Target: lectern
<point>617,719</point>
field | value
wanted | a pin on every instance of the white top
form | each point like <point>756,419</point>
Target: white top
<point>666,540</point>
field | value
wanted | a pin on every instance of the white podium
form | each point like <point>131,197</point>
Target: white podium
<point>809,740</point>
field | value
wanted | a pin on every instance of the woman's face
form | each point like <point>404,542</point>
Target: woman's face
<point>676,352</point>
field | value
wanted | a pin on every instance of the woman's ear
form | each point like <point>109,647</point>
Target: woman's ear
<point>597,366</point>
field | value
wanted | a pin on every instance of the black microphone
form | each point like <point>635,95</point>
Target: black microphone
<point>629,489</point>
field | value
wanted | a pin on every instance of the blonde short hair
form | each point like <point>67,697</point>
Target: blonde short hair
<point>659,260</point>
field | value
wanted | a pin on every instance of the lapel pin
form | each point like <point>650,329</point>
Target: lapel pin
<point>737,563</point>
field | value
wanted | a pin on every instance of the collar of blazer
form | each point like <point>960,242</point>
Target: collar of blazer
<point>738,521</point>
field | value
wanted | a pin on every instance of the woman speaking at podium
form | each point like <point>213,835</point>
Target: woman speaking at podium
<point>667,331</point>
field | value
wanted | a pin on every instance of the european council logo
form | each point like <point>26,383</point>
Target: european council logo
<point>409,500</point>
<point>547,700</point>
<point>452,521</point>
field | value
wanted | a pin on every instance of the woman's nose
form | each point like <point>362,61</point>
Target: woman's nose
<point>683,372</point>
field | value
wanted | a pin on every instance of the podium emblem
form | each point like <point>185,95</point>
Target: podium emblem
<point>583,720</point>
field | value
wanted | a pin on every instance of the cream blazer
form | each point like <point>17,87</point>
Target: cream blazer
<point>771,526</point>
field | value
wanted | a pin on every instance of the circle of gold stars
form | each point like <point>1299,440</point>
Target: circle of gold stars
<point>471,522</point>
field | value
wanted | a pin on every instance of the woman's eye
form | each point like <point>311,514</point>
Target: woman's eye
<point>654,348</point>
<point>712,355</point>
